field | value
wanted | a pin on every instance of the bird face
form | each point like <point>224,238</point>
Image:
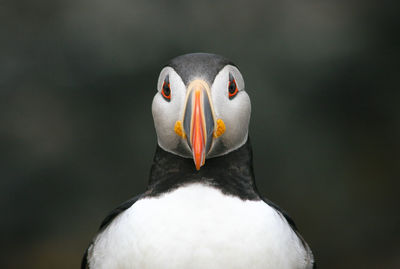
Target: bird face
<point>200,109</point>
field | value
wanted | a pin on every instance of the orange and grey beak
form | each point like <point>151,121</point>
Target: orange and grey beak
<point>198,121</point>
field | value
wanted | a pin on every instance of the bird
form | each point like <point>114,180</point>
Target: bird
<point>201,208</point>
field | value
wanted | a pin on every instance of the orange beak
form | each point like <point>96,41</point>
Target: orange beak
<point>198,132</point>
<point>199,121</point>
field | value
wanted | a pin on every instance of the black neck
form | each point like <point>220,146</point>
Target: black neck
<point>232,173</point>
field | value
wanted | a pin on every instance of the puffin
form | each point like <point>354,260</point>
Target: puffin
<point>201,208</point>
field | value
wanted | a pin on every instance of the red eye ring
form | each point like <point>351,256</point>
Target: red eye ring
<point>232,89</point>
<point>166,91</point>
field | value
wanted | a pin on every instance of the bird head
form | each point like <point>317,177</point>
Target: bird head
<point>201,109</point>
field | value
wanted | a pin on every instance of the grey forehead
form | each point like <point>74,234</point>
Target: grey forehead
<point>203,65</point>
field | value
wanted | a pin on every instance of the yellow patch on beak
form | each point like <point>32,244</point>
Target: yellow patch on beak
<point>220,128</point>
<point>179,129</point>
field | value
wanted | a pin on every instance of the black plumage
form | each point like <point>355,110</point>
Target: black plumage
<point>232,174</point>
<point>203,65</point>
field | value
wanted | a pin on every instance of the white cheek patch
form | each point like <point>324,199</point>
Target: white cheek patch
<point>234,112</point>
<point>162,120</point>
<point>166,113</point>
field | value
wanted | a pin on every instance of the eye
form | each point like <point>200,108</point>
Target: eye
<point>166,90</point>
<point>232,87</point>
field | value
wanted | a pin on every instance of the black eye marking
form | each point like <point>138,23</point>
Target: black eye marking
<point>166,90</point>
<point>232,87</point>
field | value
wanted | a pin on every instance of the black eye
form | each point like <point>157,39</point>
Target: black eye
<point>232,87</point>
<point>166,90</point>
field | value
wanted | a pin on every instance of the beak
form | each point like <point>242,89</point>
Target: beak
<point>198,120</point>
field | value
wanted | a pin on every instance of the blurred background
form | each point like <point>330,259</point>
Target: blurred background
<point>77,79</point>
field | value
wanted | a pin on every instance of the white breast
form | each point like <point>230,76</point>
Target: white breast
<point>197,226</point>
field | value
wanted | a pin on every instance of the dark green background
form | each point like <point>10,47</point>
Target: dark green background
<point>77,79</point>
